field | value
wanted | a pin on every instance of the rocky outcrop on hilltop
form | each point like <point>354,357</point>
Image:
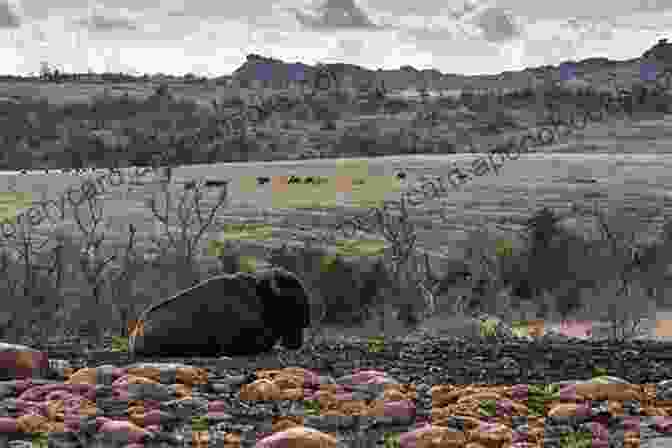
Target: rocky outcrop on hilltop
<point>661,52</point>
<point>280,71</point>
<point>407,76</point>
<point>402,78</point>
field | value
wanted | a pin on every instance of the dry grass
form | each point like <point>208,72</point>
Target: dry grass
<point>133,282</point>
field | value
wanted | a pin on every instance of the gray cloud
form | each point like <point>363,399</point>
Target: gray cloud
<point>424,34</point>
<point>177,13</point>
<point>8,17</point>
<point>466,9</point>
<point>269,36</point>
<point>653,5</point>
<point>605,35</point>
<point>99,22</point>
<point>586,29</point>
<point>336,14</point>
<point>248,10</point>
<point>38,34</point>
<point>497,25</point>
<point>351,48</point>
<point>550,51</point>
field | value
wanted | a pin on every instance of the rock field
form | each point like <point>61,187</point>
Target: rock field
<point>424,391</point>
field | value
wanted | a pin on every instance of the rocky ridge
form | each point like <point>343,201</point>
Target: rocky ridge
<point>409,77</point>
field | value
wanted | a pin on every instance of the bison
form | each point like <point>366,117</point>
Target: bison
<point>237,315</point>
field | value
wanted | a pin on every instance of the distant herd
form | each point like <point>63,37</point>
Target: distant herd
<point>261,180</point>
<point>209,183</point>
<point>316,180</point>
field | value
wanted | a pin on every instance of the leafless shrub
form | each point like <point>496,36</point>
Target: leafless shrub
<point>121,281</point>
<point>44,283</point>
<point>398,232</point>
<point>621,293</point>
<point>92,263</point>
<point>34,296</point>
<point>186,239</point>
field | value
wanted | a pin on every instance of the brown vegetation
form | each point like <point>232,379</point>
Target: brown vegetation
<point>165,129</point>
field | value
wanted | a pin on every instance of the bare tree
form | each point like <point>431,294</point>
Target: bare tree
<point>186,239</point>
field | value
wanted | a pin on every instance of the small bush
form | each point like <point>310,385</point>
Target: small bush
<point>396,106</point>
<point>329,125</point>
<point>162,90</point>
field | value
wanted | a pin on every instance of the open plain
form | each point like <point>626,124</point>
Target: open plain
<point>502,201</point>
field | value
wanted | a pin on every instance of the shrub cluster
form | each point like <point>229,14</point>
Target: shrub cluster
<point>37,134</point>
<point>95,288</point>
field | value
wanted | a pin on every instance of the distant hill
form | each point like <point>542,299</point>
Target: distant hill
<point>660,53</point>
<point>276,73</point>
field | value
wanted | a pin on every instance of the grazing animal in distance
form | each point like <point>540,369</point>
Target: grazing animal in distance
<point>294,180</point>
<point>585,181</point>
<point>401,175</point>
<point>216,183</point>
<point>190,185</point>
<point>263,180</point>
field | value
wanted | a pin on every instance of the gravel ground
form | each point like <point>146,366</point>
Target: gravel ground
<point>424,361</point>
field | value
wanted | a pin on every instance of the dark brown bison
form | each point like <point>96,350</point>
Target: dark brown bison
<point>238,315</point>
<point>212,183</point>
<point>208,183</point>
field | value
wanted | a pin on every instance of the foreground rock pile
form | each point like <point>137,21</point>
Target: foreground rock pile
<point>428,393</point>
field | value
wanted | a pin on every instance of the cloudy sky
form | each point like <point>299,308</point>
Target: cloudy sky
<point>212,37</point>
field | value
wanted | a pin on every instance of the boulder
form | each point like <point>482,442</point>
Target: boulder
<point>299,436</point>
<point>237,315</point>
<point>22,362</point>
